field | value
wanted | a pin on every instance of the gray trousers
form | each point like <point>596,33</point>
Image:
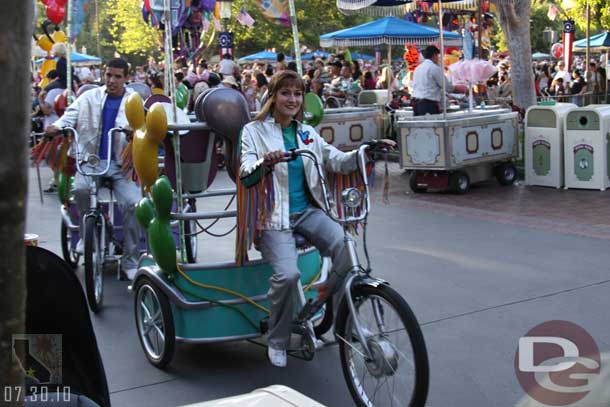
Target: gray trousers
<point>278,248</point>
<point>127,194</point>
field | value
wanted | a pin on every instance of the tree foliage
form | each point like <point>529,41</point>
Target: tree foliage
<point>129,33</point>
<point>314,18</point>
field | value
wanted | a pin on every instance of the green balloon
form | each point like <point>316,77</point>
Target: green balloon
<point>162,245</point>
<point>145,212</point>
<point>182,96</point>
<point>63,187</point>
<point>163,197</point>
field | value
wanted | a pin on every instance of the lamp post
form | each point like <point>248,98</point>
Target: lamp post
<point>225,38</point>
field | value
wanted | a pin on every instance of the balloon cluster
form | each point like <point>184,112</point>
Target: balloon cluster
<point>56,10</point>
<point>190,19</point>
<point>411,56</point>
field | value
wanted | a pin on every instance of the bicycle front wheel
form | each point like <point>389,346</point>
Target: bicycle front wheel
<point>94,283</point>
<point>397,374</point>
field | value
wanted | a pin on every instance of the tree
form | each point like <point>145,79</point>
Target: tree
<point>14,114</point>
<point>129,33</point>
<point>511,15</point>
<point>315,17</point>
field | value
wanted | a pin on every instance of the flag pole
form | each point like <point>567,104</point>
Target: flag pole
<point>442,43</point>
<point>295,36</point>
<point>68,52</point>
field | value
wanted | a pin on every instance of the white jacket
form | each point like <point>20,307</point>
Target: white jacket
<point>260,137</point>
<point>85,115</point>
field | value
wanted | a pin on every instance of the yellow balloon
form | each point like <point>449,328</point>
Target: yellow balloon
<point>134,110</point>
<point>145,160</point>
<point>47,65</point>
<point>59,36</point>
<point>156,123</point>
<point>45,43</point>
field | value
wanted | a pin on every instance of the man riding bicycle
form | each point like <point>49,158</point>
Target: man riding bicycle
<point>93,114</point>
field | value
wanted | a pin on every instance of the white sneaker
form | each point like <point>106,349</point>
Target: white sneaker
<point>130,273</point>
<point>80,247</point>
<point>277,357</point>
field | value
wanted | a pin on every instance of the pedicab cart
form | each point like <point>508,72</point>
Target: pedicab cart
<point>457,149</point>
<point>203,302</point>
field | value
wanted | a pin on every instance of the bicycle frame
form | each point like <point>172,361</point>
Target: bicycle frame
<point>354,273</point>
<point>94,203</point>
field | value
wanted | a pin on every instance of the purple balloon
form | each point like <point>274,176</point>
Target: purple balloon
<point>208,5</point>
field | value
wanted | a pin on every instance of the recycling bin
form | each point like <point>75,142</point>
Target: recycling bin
<point>587,134</point>
<point>543,147</point>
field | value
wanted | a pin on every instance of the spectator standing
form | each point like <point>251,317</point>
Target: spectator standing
<point>577,88</point>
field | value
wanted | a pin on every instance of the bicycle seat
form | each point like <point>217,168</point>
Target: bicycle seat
<point>301,241</point>
<point>106,182</point>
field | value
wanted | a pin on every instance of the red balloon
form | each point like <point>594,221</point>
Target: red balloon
<point>60,103</point>
<point>55,13</point>
<point>557,50</point>
<point>45,2</point>
<point>61,3</point>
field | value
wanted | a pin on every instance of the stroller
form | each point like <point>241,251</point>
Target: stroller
<point>56,305</point>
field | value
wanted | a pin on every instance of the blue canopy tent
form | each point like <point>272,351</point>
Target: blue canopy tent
<point>541,55</point>
<point>600,42</point>
<point>364,57</point>
<point>389,31</point>
<point>266,56</point>
<point>396,8</point>
<point>78,59</point>
<point>315,54</point>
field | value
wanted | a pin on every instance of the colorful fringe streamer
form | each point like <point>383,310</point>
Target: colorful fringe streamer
<point>127,162</point>
<point>338,182</point>
<point>253,205</point>
<point>54,151</point>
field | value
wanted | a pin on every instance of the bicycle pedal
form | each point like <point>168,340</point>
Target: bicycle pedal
<point>264,325</point>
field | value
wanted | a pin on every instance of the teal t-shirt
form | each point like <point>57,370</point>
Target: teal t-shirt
<point>297,185</point>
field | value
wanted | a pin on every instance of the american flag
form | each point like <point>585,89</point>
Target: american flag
<point>244,18</point>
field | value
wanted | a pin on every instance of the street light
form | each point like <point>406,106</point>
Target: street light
<point>549,36</point>
<point>225,38</point>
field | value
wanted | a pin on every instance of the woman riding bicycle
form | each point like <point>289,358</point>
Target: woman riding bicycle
<point>297,196</point>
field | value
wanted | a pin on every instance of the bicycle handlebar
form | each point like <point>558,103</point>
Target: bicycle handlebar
<point>92,159</point>
<point>294,153</point>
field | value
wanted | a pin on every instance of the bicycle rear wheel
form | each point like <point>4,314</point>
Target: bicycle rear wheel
<point>190,237</point>
<point>70,255</point>
<point>398,373</point>
<point>94,282</point>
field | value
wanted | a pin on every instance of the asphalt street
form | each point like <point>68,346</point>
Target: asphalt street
<point>475,284</point>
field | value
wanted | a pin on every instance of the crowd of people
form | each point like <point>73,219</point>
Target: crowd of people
<point>337,79</point>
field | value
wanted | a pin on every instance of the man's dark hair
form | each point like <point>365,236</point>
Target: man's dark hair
<point>269,70</point>
<point>430,51</point>
<point>213,79</point>
<point>52,74</point>
<point>261,80</point>
<point>280,57</point>
<point>119,63</point>
<point>292,66</point>
<point>226,56</point>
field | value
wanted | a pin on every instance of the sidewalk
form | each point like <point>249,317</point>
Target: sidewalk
<point>573,211</point>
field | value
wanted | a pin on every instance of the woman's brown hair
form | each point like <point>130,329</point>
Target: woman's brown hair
<point>278,81</point>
